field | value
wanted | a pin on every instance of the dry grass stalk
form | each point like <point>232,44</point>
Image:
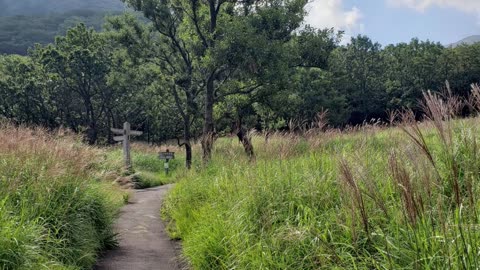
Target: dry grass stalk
<point>393,116</point>
<point>414,132</point>
<point>59,151</point>
<point>474,98</point>
<point>321,120</point>
<point>411,202</point>
<point>298,125</point>
<point>352,188</point>
<point>440,111</point>
<point>371,188</point>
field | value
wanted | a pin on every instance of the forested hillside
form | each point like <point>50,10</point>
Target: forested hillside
<point>24,23</point>
<point>45,7</point>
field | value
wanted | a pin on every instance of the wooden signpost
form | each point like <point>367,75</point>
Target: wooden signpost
<point>124,137</point>
<point>167,156</point>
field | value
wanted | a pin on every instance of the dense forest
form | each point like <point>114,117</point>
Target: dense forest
<point>183,74</point>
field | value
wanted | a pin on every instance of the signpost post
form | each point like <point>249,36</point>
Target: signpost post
<point>124,137</point>
<point>167,156</point>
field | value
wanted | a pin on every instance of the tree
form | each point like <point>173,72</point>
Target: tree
<point>218,41</point>
<point>358,72</point>
<point>80,63</point>
<point>460,67</point>
<point>164,70</point>
<point>410,69</point>
<point>26,94</point>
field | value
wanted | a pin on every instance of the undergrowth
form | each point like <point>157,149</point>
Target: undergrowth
<point>369,198</point>
<point>55,210</point>
<point>147,168</point>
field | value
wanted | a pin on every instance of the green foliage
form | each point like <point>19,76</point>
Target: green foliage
<point>85,83</point>
<point>79,63</point>
<point>411,69</point>
<point>357,69</point>
<point>220,48</point>
<point>148,169</point>
<point>151,170</point>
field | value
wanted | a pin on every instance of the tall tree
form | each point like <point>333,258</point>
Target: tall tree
<point>164,67</point>
<point>358,72</point>
<point>460,67</point>
<point>218,41</point>
<point>80,63</point>
<point>411,68</point>
<point>27,96</point>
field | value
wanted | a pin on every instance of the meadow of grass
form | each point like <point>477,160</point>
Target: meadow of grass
<point>148,170</point>
<point>56,211</point>
<point>370,198</point>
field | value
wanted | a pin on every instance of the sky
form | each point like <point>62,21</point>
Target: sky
<point>394,21</point>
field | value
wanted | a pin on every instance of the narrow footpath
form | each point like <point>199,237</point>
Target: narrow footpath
<point>143,241</point>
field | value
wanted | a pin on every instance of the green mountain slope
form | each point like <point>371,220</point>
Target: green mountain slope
<point>467,41</point>
<point>45,7</point>
<point>24,23</point>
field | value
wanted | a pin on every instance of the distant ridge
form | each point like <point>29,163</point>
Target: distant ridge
<point>44,7</point>
<point>466,41</point>
<point>26,22</point>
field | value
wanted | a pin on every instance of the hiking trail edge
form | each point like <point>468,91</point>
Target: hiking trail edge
<point>143,241</point>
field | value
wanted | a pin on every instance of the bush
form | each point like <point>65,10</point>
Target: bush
<point>52,210</point>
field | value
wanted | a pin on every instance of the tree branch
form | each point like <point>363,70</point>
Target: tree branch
<point>240,91</point>
<point>195,22</point>
<point>180,144</point>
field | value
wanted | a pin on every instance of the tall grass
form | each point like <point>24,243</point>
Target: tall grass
<point>369,198</point>
<point>55,211</point>
<point>148,170</point>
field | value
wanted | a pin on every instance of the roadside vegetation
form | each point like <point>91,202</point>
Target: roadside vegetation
<point>148,170</point>
<point>299,194</point>
<point>56,209</point>
<point>367,198</point>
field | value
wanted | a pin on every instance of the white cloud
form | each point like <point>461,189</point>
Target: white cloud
<point>469,6</point>
<point>332,13</point>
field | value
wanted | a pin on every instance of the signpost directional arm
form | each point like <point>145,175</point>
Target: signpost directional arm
<point>117,131</point>
<point>119,138</point>
<point>125,134</point>
<point>135,133</point>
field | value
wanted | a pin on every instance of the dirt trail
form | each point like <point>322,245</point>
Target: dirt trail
<point>144,244</point>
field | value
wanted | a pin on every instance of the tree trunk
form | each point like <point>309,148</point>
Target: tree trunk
<point>188,145</point>
<point>110,125</point>
<point>208,137</point>
<point>92,133</point>
<point>188,152</point>
<point>245,139</point>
